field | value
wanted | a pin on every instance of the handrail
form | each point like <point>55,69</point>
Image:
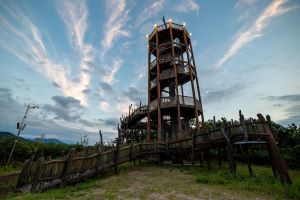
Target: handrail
<point>164,27</point>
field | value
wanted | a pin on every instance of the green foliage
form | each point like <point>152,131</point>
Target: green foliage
<point>289,143</point>
<point>263,181</point>
<point>26,149</point>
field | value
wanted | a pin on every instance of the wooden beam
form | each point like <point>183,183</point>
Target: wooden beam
<point>179,131</point>
<point>158,89</point>
<point>279,163</point>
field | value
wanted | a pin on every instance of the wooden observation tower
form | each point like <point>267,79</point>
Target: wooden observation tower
<point>173,87</point>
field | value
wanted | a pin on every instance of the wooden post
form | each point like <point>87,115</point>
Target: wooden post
<point>243,124</point>
<point>101,141</point>
<point>179,127</point>
<point>98,164</point>
<point>244,148</point>
<point>191,79</point>
<point>244,151</point>
<point>279,163</point>
<point>149,86</point>
<point>24,173</point>
<point>272,163</point>
<point>158,89</point>
<point>67,168</point>
<point>117,151</point>
<point>197,84</point>
<point>37,175</point>
<point>230,153</point>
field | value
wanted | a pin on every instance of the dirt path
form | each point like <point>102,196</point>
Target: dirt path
<point>159,183</point>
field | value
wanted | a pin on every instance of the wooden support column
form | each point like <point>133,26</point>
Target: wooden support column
<point>182,94</point>
<point>272,162</point>
<point>279,163</point>
<point>269,151</point>
<point>230,152</point>
<point>244,151</point>
<point>179,131</point>
<point>149,94</point>
<point>198,88</point>
<point>158,89</point>
<point>191,78</point>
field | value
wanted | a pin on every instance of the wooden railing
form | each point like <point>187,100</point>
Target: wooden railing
<point>166,26</point>
<point>43,174</point>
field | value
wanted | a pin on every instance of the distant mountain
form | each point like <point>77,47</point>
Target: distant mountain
<point>49,140</point>
<point>4,134</point>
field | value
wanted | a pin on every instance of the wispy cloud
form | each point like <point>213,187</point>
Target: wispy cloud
<point>27,44</point>
<point>187,5</point>
<point>109,77</point>
<point>118,16</point>
<point>150,11</point>
<point>274,9</point>
<point>241,4</point>
<point>246,9</point>
<point>75,16</point>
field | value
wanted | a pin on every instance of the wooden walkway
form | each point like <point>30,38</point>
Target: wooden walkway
<point>42,174</point>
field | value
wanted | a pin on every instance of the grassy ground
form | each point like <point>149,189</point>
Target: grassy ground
<point>8,180</point>
<point>176,182</point>
<point>4,170</point>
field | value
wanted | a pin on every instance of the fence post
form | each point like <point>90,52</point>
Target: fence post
<point>244,149</point>
<point>23,173</point>
<point>98,164</point>
<point>67,167</point>
<point>37,175</point>
<point>117,151</point>
<point>230,151</point>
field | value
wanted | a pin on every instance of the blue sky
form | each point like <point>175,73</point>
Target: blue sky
<point>84,62</point>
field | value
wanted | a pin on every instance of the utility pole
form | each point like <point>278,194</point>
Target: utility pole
<point>20,127</point>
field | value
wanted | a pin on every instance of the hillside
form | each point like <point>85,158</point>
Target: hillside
<point>48,141</point>
<point>6,135</point>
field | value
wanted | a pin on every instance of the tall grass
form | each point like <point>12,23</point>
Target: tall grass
<point>263,180</point>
